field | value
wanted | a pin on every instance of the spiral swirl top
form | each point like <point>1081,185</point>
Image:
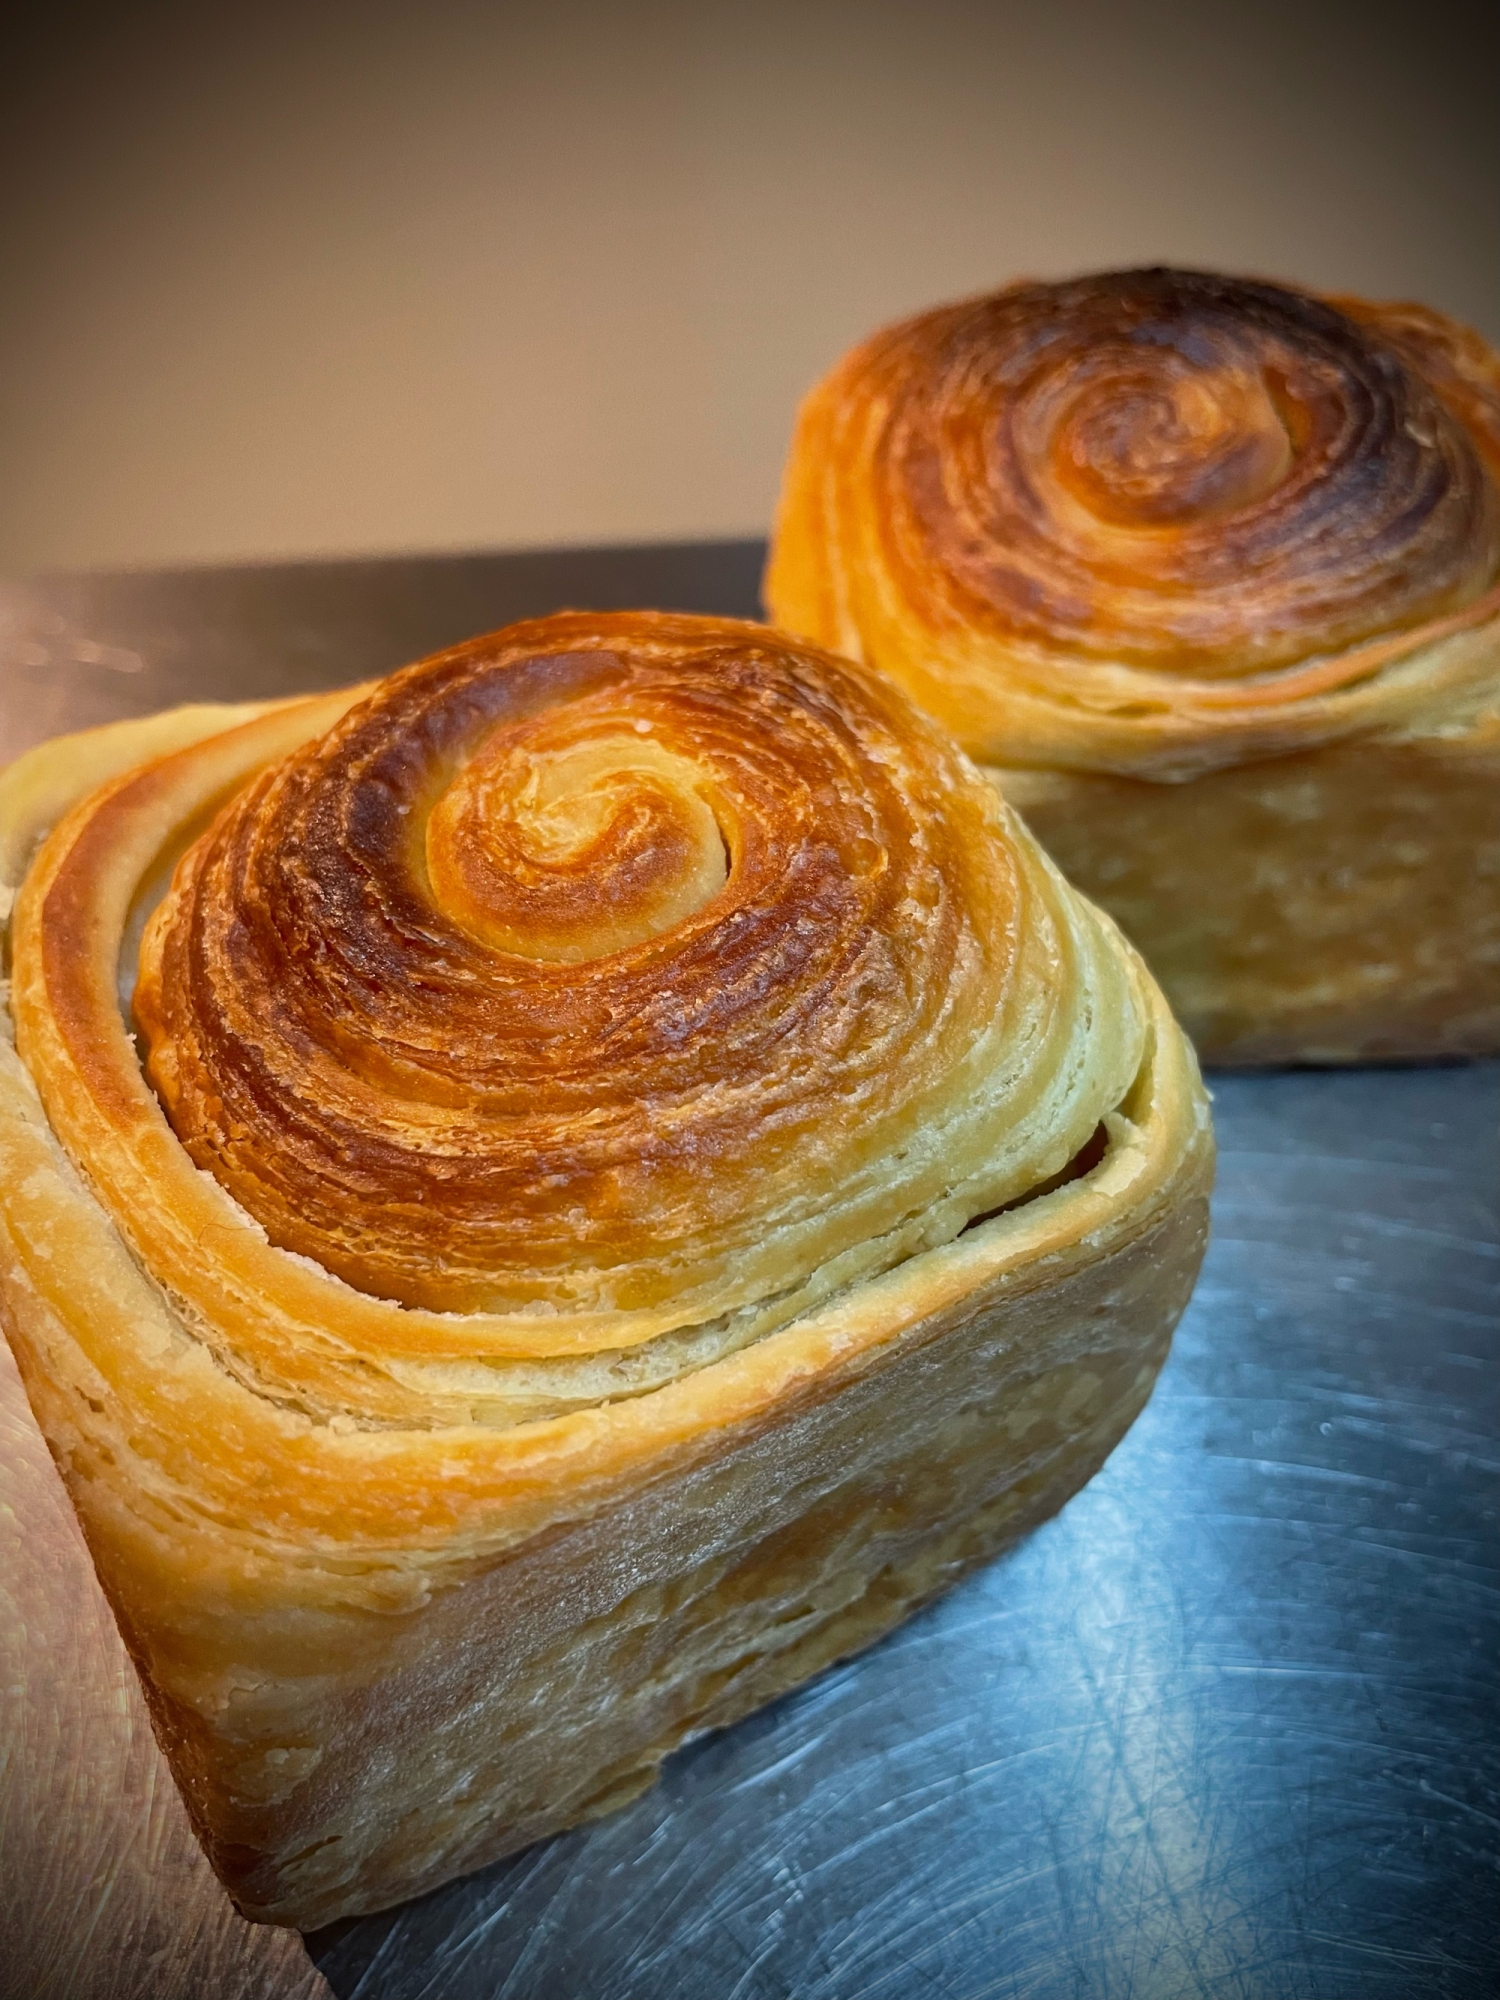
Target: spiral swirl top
<point>621,974</point>
<point>1206,505</point>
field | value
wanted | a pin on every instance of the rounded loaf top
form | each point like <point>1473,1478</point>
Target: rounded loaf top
<point>626,965</point>
<point>1225,510</point>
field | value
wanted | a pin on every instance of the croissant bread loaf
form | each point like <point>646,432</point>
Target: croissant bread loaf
<point>544,1199</point>
<point>1206,571</point>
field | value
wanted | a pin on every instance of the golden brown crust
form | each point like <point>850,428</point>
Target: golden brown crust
<point>544,977</point>
<point>410,1586</point>
<point>1462,369</point>
<point>543,1180</point>
<point>1153,522</point>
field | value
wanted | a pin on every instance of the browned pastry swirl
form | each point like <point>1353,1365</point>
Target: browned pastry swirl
<point>1151,521</point>
<point>576,1006</point>
<point>544,958</point>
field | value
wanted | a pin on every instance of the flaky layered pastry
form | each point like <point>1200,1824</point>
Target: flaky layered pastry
<point>542,1201</point>
<point>1207,572</point>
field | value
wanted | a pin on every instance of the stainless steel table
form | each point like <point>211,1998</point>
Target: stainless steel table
<point>1229,1726</point>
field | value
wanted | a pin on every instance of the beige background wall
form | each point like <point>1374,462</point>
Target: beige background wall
<point>347,278</point>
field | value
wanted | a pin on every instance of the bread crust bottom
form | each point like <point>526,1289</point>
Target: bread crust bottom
<point>1341,905</point>
<point>547,1689</point>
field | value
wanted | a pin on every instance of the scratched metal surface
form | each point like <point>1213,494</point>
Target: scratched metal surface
<point>1229,1726</point>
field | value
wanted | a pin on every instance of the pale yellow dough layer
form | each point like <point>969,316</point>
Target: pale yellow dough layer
<point>1342,905</point>
<point>391,1632</point>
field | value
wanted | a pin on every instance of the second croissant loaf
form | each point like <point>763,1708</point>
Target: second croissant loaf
<point>1207,571</point>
